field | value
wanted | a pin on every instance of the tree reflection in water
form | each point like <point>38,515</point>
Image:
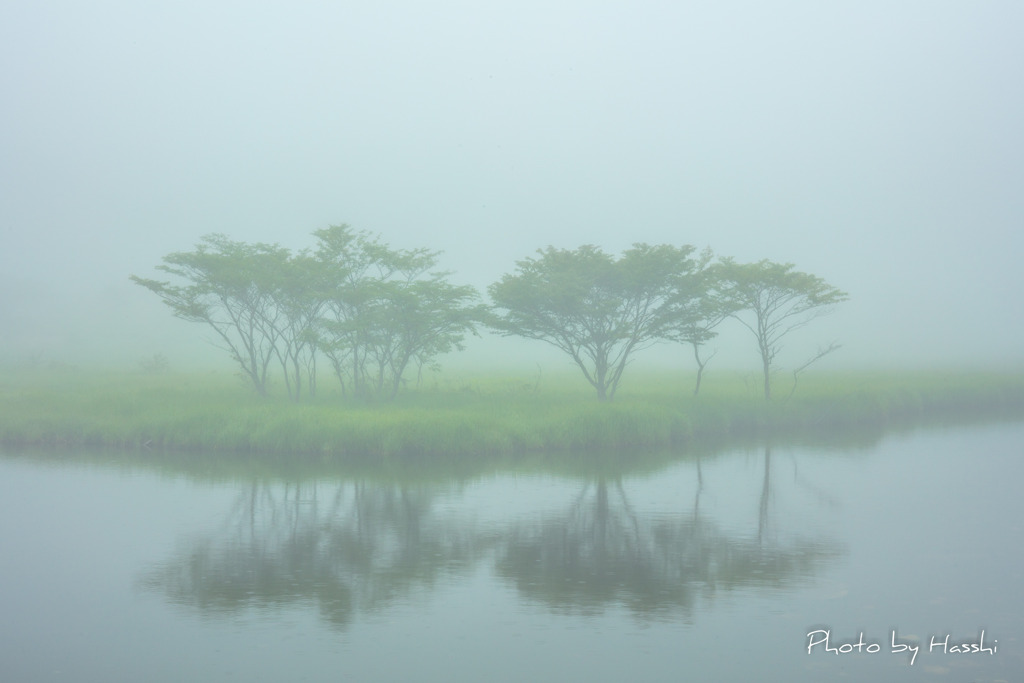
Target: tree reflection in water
<point>346,547</point>
<point>355,547</point>
<point>599,553</point>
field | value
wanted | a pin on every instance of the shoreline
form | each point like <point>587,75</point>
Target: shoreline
<point>477,415</point>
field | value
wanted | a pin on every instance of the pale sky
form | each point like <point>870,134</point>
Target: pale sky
<point>876,144</point>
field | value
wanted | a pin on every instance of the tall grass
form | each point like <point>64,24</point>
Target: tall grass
<point>474,414</point>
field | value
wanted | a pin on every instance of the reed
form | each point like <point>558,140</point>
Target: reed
<point>474,414</point>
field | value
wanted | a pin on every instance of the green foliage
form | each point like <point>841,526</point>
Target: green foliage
<point>598,310</point>
<point>370,310</point>
<point>471,417</point>
<point>697,309</point>
<point>384,310</point>
<point>229,287</point>
<point>377,314</point>
<point>780,299</point>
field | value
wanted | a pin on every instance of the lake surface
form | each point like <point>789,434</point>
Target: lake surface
<point>722,567</point>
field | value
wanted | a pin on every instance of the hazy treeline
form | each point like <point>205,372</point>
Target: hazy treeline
<point>375,313</point>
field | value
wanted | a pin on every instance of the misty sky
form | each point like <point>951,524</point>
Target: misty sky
<point>879,145</point>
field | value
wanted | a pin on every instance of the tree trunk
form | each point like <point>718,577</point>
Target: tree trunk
<point>767,379</point>
<point>700,368</point>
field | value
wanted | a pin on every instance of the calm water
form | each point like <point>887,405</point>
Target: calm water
<point>710,568</point>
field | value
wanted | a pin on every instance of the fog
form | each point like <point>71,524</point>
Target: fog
<point>876,145</point>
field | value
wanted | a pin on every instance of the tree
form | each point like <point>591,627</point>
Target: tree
<point>697,310</point>
<point>780,298</point>
<point>296,286</point>
<point>228,288</point>
<point>356,266</point>
<point>595,308</point>
<point>386,309</point>
<point>418,319</point>
<point>370,309</point>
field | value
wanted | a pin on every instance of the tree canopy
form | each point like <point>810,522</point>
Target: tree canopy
<point>385,309</point>
<point>780,298</point>
<point>228,287</point>
<point>697,309</point>
<point>371,310</point>
<point>597,309</point>
<point>376,313</point>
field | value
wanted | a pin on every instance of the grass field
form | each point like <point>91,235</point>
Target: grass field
<point>459,414</point>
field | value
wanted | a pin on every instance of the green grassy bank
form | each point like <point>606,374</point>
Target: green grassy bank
<point>475,414</point>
